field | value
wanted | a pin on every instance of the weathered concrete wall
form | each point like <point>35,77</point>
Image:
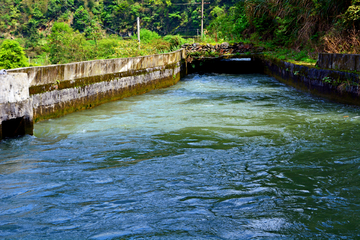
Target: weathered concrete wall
<point>347,62</point>
<point>339,86</point>
<point>63,72</point>
<point>60,89</point>
<point>15,102</point>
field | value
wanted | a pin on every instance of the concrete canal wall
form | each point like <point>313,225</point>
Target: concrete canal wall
<point>56,90</point>
<point>340,86</point>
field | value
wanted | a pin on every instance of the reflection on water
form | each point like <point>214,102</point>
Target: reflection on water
<point>214,157</point>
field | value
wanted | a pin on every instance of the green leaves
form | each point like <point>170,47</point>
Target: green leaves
<point>352,14</point>
<point>175,41</point>
<point>147,36</point>
<point>228,23</point>
<point>12,55</point>
<point>175,16</point>
<point>66,45</point>
<point>217,12</point>
<point>81,19</point>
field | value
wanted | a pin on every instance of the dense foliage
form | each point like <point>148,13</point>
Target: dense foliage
<point>12,55</point>
<point>319,25</point>
<point>33,19</point>
<point>61,31</point>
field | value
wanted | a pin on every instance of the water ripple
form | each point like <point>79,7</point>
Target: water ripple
<point>215,157</point>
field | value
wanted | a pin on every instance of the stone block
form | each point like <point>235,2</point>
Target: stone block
<point>325,60</point>
<point>336,61</point>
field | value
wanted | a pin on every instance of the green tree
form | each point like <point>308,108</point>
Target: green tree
<point>352,14</point>
<point>30,31</point>
<point>55,8</point>
<point>81,19</point>
<point>12,55</point>
<point>66,45</point>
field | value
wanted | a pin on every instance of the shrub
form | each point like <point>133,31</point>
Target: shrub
<point>175,41</point>
<point>12,55</point>
<point>106,47</point>
<point>65,45</point>
<point>147,36</point>
<point>160,45</point>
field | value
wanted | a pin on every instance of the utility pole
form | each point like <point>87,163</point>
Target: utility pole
<point>202,19</point>
<point>202,13</point>
<point>138,28</point>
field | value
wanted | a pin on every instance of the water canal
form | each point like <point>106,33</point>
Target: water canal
<point>214,157</point>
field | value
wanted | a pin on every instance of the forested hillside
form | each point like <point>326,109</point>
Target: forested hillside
<point>318,25</point>
<point>60,31</point>
<point>32,18</point>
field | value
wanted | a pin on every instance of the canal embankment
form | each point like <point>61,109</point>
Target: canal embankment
<point>337,85</point>
<point>51,91</point>
<point>56,90</point>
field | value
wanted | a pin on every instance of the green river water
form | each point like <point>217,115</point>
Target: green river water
<point>216,156</point>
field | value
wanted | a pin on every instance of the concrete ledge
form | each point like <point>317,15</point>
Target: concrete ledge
<point>64,72</point>
<point>14,87</point>
<point>12,111</point>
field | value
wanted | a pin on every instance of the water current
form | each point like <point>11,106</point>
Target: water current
<point>214,157</point>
